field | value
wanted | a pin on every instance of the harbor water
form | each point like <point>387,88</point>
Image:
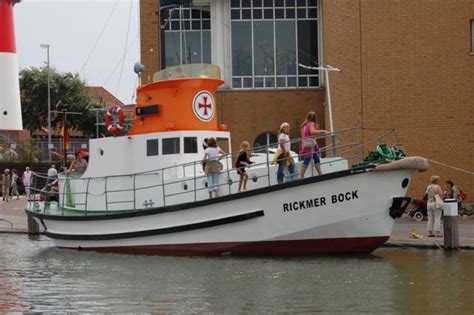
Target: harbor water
<point>37,277</point>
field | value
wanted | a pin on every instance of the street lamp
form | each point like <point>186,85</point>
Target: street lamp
<point>49,101</point>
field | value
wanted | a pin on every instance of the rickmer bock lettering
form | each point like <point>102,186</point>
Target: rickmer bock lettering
<point>320,201</point>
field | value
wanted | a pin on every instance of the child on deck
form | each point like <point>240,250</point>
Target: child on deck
<point>242,162</point>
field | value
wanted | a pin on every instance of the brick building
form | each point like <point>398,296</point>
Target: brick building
<point>405,64</point>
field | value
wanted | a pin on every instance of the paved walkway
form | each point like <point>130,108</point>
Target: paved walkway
<point>13,220</point>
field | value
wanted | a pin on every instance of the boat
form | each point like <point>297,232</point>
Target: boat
<point>145,191</point>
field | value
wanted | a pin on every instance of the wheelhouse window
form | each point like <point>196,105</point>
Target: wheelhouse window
<point>190,145</point>
<point>152,147</point>
<point>170,146</point>
<point>270,39</point>
<point>187,35</point>
<point>260,142</point>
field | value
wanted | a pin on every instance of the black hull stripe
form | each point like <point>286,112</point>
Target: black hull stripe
<point>202,203</point>
<point>168,230</point>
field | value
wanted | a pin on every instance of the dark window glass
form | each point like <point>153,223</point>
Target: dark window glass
<point>257,3</point>
<point>248,82</point>
<point>263,48</point>
<point>206,14</point>
<point>191,47</point>
<point>190,145</point>
<point>237,82</point>
<point>241,48</point>
<point>152,147</point>
<point>245,3</point>
<point>206,46</point>
<point>290,3</point>
<point>246,14</point>
<point>262,139</point>
<point>268,13</point>
<point>312,3</point>
<point>175,14</point>
<point>268,3</point>
<point>186,14</point>
<point>313,13</point>
<point>291,81</point>
<point>279,13</point>
<point>175,25</point>
<point>301,3</point>
<point>285,47</point>
<point>172,48</point>
<point>196,25</point>
<point>258,82</point>
<point>281,82</point>
<point>257,14</point>
<point>196,14</point>
<point>269,82</point>
<point>301,13</point>
<point>206,25</point>
<point>170,146</point>
<point>307,45</point>
<point>235,3</point>
<point>302,81</point>
<point>279,3</point>
<point>235,14</point>
<point>313,81</point>
<point>186,25</point>
<point>290,13</point>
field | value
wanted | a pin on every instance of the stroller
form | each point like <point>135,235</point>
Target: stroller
<point>419,212</point>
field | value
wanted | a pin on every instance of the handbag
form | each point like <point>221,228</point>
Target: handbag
<point>439,202</point>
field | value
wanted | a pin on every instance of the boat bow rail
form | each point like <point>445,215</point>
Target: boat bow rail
<point>187,182</point>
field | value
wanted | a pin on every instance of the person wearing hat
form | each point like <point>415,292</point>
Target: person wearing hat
<point>284,158</point>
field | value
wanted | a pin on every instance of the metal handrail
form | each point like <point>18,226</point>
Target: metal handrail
<point>343,148</point>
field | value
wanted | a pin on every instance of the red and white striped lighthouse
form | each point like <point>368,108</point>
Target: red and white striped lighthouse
<point>10,107</point>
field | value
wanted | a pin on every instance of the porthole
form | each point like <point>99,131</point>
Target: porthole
<point>185,186</point>
<point>229,181</point>
<point>101,151</point>
<point>5,113</point>
<point>405,182</point>
<point>254,177</point>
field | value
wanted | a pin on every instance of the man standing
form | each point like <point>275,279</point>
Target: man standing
<point>27,179</point>
<point>52,175</point>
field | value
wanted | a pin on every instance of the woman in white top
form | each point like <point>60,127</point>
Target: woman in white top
<point>213,167</point>
<point>285,158</point>
<point>434,211</point>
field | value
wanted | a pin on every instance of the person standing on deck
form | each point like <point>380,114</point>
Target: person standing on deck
<point>309,145</point>
<point>284,158</point>
<point>213,167</point>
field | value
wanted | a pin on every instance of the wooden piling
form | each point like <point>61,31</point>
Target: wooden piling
<point>451,228</point>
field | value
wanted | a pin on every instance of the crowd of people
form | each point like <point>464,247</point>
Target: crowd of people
<point>283,158</point>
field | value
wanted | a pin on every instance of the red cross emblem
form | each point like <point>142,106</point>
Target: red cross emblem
<point>203,106</point>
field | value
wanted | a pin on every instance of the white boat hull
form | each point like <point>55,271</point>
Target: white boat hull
<point>342,212</point>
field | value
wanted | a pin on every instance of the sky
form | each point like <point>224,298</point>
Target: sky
<point>86,37</point>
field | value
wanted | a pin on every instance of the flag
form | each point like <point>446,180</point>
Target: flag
<point>65,135</point>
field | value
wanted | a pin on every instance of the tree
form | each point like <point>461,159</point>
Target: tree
<point>67,92</point>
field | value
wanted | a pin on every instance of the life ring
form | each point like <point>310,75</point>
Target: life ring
<point>114,127</point>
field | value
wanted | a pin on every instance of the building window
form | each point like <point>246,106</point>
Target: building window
<point>170,146</point>
<point>190,145</point>
<point>261,141</point>
<point>472,37</point>
<point>270,39</point>
<point>187,34</point>
<point>152,147</point>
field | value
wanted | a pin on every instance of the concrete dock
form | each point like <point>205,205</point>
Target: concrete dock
<point>13,219</point>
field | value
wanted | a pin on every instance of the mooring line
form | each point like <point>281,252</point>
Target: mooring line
<point>453,167</point>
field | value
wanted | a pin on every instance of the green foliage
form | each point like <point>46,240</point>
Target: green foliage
<point>67,92</point>
<point>25,152</point>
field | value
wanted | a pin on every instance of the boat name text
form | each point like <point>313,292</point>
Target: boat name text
<point>320,201</point>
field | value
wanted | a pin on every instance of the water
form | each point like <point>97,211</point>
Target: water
<point>36,277</point>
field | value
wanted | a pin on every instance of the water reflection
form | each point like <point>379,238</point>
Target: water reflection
<point>38,277</point>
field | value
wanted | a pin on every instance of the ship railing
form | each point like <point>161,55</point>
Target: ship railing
<point>343,145</point>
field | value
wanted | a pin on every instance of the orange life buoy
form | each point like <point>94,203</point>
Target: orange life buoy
<point>114,127</point>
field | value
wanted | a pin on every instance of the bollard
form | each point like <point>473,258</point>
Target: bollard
<point>33,226</point>
<point>451,228</point>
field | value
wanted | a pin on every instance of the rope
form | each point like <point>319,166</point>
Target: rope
<point>453,167</point>
<point>126,45</point>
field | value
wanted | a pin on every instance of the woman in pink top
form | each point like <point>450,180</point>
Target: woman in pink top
<point>309,145</point>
